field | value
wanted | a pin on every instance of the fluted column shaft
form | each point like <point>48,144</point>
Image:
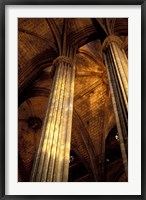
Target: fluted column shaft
<point>117,70</point>
<point>52,159</point>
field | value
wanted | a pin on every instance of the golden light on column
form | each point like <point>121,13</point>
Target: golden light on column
<point>117,70</point>
<point>52,159</point>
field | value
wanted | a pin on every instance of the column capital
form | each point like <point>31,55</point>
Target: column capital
<point>61,59</point>
<point>112,39</point>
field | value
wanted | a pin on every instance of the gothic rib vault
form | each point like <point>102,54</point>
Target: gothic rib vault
<point>95,150</point>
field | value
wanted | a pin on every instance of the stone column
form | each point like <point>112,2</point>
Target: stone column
<point>52,159</point>
<point>117,70</point>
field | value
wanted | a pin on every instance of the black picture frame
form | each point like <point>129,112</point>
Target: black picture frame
<point>3,3</point>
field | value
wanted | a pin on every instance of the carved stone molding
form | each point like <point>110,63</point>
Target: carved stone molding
<point>112,39</point>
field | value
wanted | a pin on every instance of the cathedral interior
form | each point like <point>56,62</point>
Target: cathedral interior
<point>72,96</point>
